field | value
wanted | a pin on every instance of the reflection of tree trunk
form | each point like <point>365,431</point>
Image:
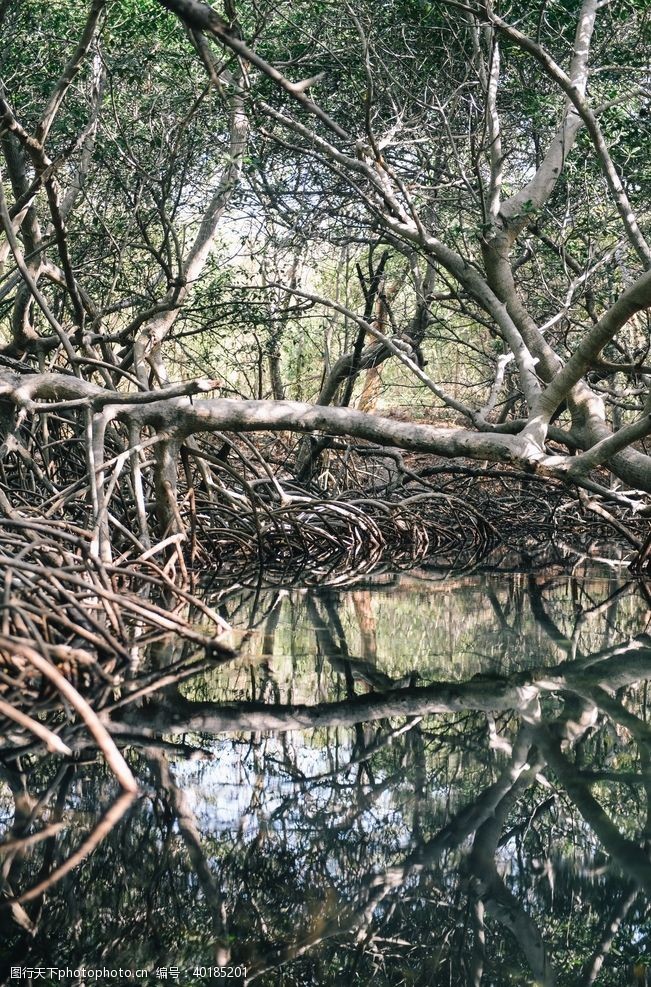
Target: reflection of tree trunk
<point>478,955</point>
<point>331,639</point>
<point>191,837</point>
<point>593,967</point>
<point>366,623</point>
<point>270,626</point>
<point>542,617</point>
<point>12,865</point>
<point>50,877</point>
<point>325,632</point>
<point>24,803</point>
<point>497,898</point>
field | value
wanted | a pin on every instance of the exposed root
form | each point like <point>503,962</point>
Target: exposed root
<point>73,630</point>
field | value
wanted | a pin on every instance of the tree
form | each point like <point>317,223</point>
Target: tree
<point>499,166</point>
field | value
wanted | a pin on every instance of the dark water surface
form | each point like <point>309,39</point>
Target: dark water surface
<point>426,781</point>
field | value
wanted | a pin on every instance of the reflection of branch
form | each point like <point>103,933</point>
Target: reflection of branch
<point>359,915</point>
<point>110,819</point>
<point>443,697</point>
<point>519,691</point>
<point>627,854</point>
<point>382,741</point>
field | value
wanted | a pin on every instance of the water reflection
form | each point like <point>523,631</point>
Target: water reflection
<point>423,782</point>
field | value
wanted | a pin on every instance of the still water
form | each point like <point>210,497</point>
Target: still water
<point>421,781</point>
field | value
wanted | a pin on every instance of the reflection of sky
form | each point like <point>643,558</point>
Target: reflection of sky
<point>245,788</point>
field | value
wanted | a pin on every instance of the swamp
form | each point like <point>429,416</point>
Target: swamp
<point>325,493</point>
